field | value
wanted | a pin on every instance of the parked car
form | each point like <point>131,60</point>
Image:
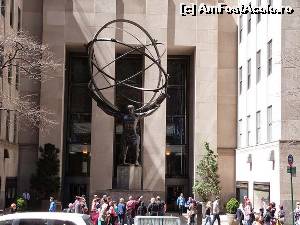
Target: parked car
<point>45,218</point>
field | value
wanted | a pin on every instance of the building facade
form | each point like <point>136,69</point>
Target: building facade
<point>267,107</point>
<point>201,60</point>
<point>10,21</point>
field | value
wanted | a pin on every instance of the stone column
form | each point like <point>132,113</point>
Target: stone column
<point>154,140</point>
<point>102,141</point>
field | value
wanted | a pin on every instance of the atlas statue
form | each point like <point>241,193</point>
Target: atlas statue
<point>101,80</point>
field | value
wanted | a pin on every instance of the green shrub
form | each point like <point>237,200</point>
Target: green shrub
<point>232,205</point>
<point>21,204</point>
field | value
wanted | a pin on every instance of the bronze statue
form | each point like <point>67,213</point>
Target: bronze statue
<point>130,118</point>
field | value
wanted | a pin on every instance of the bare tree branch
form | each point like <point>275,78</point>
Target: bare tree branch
<point>32,60</point>
<point>35,59</point>
<point>29,112</point>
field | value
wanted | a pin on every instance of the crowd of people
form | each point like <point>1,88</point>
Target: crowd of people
<point>267,214</point>
<point>105,211</point>
<point>190,206</point>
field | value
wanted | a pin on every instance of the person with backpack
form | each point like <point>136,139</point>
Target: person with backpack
<point>111,214</point>
<point>142,209</point>
<point>153,208</point>
<point>121,211</point>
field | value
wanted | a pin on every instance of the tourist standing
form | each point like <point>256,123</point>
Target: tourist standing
<point>78,205</point>
<point>267,216</point>
<point>26,197</point>
<point>216,211</point>
<point>112,215</point>
<point>153,208</point>
<point>121,211</point>
<point>142,209</point>
<point>240,214</point>
<point>297,213</point>
<point>281,215</point>
<point>131,206</point>
<point>52,206</point>
<point>207,213</point>
<point>103,213</point>
<point>247,212</point>
<point>161,206</point>
<point>192,213</point>
<point>180,203</point>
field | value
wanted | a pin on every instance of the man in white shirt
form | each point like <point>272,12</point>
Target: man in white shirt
<point>26,197</point>
<point>216,211</point>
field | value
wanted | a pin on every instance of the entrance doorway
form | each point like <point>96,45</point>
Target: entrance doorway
<point>10,190</point>
<point>172,194</point>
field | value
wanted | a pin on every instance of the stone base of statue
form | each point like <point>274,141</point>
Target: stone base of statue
<point>129,177</point>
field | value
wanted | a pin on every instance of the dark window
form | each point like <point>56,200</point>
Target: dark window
<point>261,195</point>
<point>10,190</point>
<point>241,190</point>
<point>258,15</point>
<point>79,117</point>
<point>10,74</point>
<point>248,141</point>
<point>241,27</point>
<point>258,127</point>
<point>19,19</point>
<point>1,62</point>
<point>11,13</point>
<point>240,80</point>
<point>177,118</point>
<point>249,74</point>
<point>17,77</point>
<point>269,123</point>
<point>15,127</point>
<point>249,22</point>
<point>269,55</point>
<point>258,66</point>
<point>240,132</point>
<point>3,5</point>
<point>7,124</point>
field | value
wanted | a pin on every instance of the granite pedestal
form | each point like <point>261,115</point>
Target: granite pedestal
<point>129,177</point>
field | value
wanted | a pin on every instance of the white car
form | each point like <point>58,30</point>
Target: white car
<point>45,218</point>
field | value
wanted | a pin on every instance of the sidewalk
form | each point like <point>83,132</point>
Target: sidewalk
<point>183,219</point>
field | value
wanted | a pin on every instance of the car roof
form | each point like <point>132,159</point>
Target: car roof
<point>46,215</point>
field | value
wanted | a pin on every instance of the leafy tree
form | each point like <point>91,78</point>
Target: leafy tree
<point>46,182</point>
<point>208,183</point>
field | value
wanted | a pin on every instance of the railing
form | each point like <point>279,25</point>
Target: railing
<point>156,220</point>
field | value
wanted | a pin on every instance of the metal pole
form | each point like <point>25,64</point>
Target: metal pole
<point>292,196</point>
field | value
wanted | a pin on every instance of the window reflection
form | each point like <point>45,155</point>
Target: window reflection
<point>176,157</point>
<point>177,118</point>
<point>79,117</point>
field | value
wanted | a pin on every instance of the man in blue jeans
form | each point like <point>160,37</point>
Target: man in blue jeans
<point>52,207</point>
<point>181,203</point>
<point>216,211</point>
